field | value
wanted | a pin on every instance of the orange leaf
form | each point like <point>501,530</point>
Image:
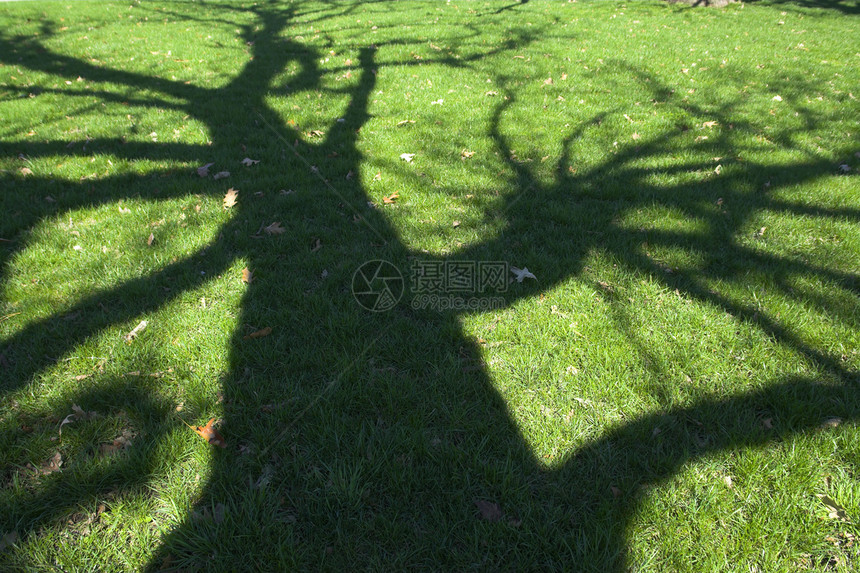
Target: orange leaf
<point>210,434</point>
<point>391,198</point>
<point>247,276</point>
<point>260,333</point>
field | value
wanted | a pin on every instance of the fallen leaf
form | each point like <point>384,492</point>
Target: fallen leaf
<point>405,122</point>
<point>718,169</point>
<point>259,333</point>
<point>67,420</point>
<point>136,330</point>
<point>728,481</point>
<point>616,492</point>
<point>247,162</point>
<point>247,276</point>
<point>831,423</point>
<point>491,94</point>
<point>150,240</point>
<point>315,133</point>
<point>437,102</point>
<point>218,513</point>
<point>489,510</point>
<point>407,157</point>
<point>221,175</point>
<point>26,171</point>
<point>204,171</point>
<point>378,176</point>
<point>120,443</point>
<point>547,82</point>
<point>710,124</point>
<point>844,168</point>
<point>522,273</point>
<point>210,434</point>
<point>83,415</point>
<point>274,229</point>
<point>52,465</point>
<point>760,232</point>
<point>767,423</point>
<point>466,154</point>
<point>635,136</point>
<point>316,246</point>
<point>777,98</point>
<point>8,540</point>
<point>455,224</point>
<point>836,510</point>
<point>391,198</point>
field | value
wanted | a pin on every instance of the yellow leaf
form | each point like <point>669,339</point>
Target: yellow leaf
<point>231,197</point>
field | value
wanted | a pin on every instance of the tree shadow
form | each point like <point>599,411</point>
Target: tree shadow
<point>340,468</point>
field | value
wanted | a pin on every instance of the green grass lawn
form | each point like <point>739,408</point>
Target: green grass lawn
<point>675,390</point>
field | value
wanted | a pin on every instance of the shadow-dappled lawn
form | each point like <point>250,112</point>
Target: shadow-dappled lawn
<point>676,389</point>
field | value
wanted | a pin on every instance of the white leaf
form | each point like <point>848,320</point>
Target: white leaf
<point>67,420</point>
<point>407,157</point>
<point>437,102</point>
<point>221,175</point>
<point>247,162</point>
<point>522,273</point>
<point>136,330</point>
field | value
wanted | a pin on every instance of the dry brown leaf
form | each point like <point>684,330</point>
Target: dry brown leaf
<point>221,175</point>
<point>231,197</point>
<point>316,246</point>
<point>466,154</point>
<point>405,122</point>
<point>455,224</point>
<point>247,162</point>
<point>391,198</point>
<point>247,276</point>
<point>710,124</point>
<point>218,513</point>
<point>259,333</point>
<point>378,176</point>
<point>210,434</point>
<point>8,540</point>
<point>489,510</point>
<point>204,170</point>
<point>616,492</point>
<point>836,510</point>
<point>52,465</point>
<point>26,171</point>
<point>151,239</point>
<point>274,229</point>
